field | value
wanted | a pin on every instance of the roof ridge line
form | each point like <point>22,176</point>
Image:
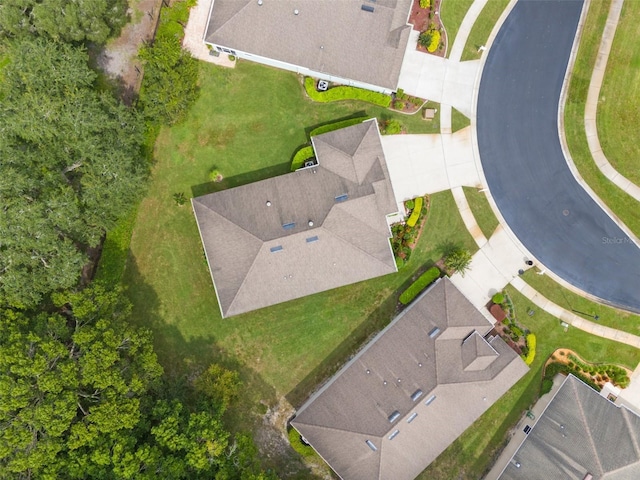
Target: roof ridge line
<point>244,280</point>
<point>358,148</point>
<point>349,243</point>
<point>227,218</point>
<point>625,414</point>
<point>228,19</point>
<point>589,435</point>
<point>324,427</point>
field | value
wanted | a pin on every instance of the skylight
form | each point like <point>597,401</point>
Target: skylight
<point>289,226</point>
<point>342,198</point>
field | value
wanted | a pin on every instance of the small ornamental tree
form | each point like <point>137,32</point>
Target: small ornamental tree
<point>424,40</point>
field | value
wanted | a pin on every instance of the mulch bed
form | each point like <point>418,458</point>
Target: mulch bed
<point>420,20</point>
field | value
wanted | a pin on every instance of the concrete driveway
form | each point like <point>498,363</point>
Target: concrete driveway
<point>524,164</point>
<point>421,164</point>
<point>438,79</point>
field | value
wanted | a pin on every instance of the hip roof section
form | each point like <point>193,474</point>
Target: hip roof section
<point>361,40</point>
<point>304,232</point>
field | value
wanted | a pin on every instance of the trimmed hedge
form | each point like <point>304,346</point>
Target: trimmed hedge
<point>531,343</point>
<point>298,446</point>
<point>427,278</point>
<point>345,93</point>
<point>301,156</point>
<point>330,127</point>
<point>415,213</point>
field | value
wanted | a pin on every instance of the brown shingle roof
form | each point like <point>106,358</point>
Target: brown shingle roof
<point>261,254</point>
<point>336,37</point>
<point>415,367</point>
<point>579,433</point>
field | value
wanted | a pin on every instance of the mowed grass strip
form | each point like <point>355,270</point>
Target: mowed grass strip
<point>608,316</point>
<point>452,13</point>
<point>482,28</point>
<point>475,451</point>
<point>482,211</point>
<point>623,205</point>
<point>619,103</point>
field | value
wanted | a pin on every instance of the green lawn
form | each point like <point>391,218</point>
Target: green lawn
<point>618,108</point>
<point>475,450</point>
<point>452,13</point>
<point>482,28</point>
<point>609,316</point>
<point>247,124</point>
<point>624,206</point>
<point>487,220</point>
<point>458,120</point>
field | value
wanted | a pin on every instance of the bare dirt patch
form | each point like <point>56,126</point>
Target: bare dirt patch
<point>119,58</point>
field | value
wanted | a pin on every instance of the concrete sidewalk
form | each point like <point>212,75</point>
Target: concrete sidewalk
<point>591,109</point>
<point>194,36</point>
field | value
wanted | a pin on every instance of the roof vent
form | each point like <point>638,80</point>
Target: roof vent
<point>367,8</point>
<point>394,434</point>
<point>368,371</point>
<point>342,198</point>
<point>412,417</point>
<point>371,445</point>
<point>416,395</point>
<point>289,226</point>
<point>311,223</point>
<point>312,239</point>
<point>296,12</point>
<point>394,416</point>
<point>430,400</point>
<point>268,203</point>
<point>259,2</point>
<point>277,248</point>
<point>434,333</point>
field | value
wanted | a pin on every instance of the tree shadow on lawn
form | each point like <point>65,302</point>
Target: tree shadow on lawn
<point>350,346</point>
<point>239,180</point>
<point>184,359</point>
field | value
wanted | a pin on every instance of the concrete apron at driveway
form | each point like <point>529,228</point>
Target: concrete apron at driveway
<point>438,79</point>
<point>424,164</point>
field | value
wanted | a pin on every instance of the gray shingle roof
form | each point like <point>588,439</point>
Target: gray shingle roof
<point>336,37</point>
<point>415,367</point>
<point>579,433</point>
<point>261,254</point>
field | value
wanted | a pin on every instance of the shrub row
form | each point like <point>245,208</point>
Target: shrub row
<point>554,368</point>
<point>302,156</point>
<point>345,93</point>
<point>415,213</point>
<point>330,127</point>
<point>531,344</point>
<point>298,446</point>
<point>427,278</point>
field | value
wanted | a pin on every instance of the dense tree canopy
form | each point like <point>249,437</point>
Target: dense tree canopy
<point>71,167</point>
<point>81,399</point>
<point>65,20</point>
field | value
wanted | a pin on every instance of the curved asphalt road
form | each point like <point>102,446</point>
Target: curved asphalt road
<point>546,208</point>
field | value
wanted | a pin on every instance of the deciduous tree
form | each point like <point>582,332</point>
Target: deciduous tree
<point>71,167</point>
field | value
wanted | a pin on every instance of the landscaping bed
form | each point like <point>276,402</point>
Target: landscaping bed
<point>425,19</point>
<point>404,103</point>
<point>566,361</point>
<point>405,235</point>
<point>343,92</point>
<point>519,338</point>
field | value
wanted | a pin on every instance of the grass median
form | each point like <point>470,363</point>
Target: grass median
<point>482,28</point>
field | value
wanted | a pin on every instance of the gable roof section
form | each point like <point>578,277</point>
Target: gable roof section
<point>258,239</point>
<point>579,433</point>
<point>411,378</point>
<point>335,37</point>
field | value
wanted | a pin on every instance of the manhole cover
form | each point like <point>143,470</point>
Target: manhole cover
<point>565,212</point>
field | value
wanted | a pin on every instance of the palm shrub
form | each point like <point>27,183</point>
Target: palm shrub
<point>424,40</point>
<point>458,260</point>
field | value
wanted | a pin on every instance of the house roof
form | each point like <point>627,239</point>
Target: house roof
<point>336,37</point>
<point>579,433</point>
<point>427,376</point>
<point>304,232</point>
